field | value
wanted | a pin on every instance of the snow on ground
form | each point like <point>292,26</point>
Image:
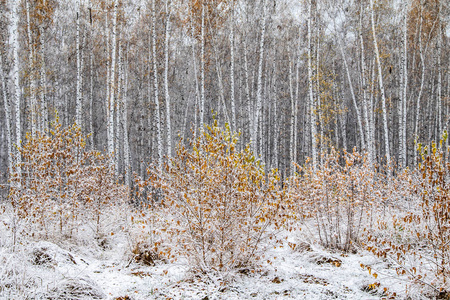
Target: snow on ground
<point>47,271</point>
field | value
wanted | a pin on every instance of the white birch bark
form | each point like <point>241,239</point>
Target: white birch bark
<point>123,124</point>
<point>43,74</point>
<point>439,86</point>
<point>380,82</point>
<point>254,141</point>
<point>91,89</point>
<point>202,70</point>
<point>404,87</point>
<point>197,92</point>
<point>297,79</point>
<point>312,105</point>
<point>8,120</point>
<point>422,81</point>
<point>31,73</point>
<point>292,133</point>
<point>166,79</point>
<point>366,107</point>
<point>126,145</point>
<point>79,108</point>
<point>275,112</point>
<point>111,135</point>
<point>247,94</point>
<point>233,104</point>
<point>156,87</point>
<point>14,31</point>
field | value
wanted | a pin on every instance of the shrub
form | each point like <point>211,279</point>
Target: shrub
<point>220,205</point>
<point>62,186</point>
<point>417,242</point>
<point>338,195</point>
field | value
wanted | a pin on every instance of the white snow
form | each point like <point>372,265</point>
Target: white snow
<point>286,273</point>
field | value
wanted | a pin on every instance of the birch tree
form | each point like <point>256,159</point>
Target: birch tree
<point>380,82</point>
<point>258,108</point>
<point>312,104</point>
<point>79,103</point>
<point>111,104</point>
<point>17,92</point>
<point>156,88</point>
<point>7,107</point>
<point>166,78</point>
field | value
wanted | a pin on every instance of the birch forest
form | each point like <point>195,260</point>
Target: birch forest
<point>208,131</point>
<point>296,78</point>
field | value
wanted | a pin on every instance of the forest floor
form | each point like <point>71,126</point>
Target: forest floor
<point>44,270</point>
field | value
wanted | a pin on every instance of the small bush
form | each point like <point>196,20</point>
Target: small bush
<point>220,205</point>
<point>63,186</point>
<point>416,239</point>
<point>338,195</point>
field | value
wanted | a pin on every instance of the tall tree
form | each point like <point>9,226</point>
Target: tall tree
<point>381,85</point>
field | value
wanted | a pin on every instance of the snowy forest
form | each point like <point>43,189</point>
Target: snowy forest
<point>224,149</point>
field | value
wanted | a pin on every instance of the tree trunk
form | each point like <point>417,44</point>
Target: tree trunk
<point>156,88</point>
<point>202,69</point>
<point>254,140</point>
<point>166,80</point>
<point>79,103</point>
<point>31,74</point>
<point>311,92</point>
<point>380,82</point>
<point>233,104</point>
<point>7,117</point>
<point>16,85</point>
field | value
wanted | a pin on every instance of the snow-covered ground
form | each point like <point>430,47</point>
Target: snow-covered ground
<point>43,270</point>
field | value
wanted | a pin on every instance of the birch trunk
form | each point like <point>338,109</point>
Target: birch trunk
<point>91,88</point>
<point>31,73</point>
<point>233,105</point>
<point>79,100</point>
<point>111,87</point>
<point>254,141</point>
<point>366,111</point>
<point>292,134</point>
<point>422,81</point>
<point>166,80</point>
<point>403,146</point>
<point>380,82</point>
<point>16,85</point>
<point>44,108</point>
<point>156,88</point>
<point>202,69</point>
<point>7,117</point>
<point>311,93</point>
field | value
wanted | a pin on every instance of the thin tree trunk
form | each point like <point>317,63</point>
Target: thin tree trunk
<point>380,82</point>
<point>79,105</point>
<point>254,141</point>
<point>355,104</point>
<point>202,69</point>
<point>166,80</point>
<point>16,84</point>
<point>31,73</point>
<point>311,92</point>
<point>7,117</point>
<point>366,112</point>
<point>422,81</point>
<point>156,87</point>
<point>111,102</point>
<point>43,74</point>
<point>126,147</point>
<point>292,133</point>
<point>404,88</point>
<point>233,104</point>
